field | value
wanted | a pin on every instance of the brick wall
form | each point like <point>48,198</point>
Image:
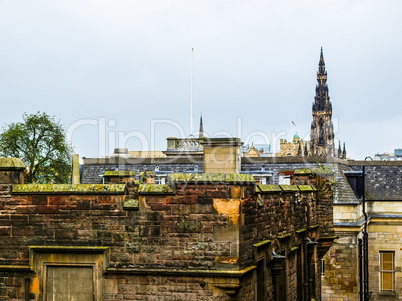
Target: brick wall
<point>201,240</point>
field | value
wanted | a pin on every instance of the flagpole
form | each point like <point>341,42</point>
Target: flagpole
<point>192,92</point>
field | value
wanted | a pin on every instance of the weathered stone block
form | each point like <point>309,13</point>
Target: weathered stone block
<point>189,227</point>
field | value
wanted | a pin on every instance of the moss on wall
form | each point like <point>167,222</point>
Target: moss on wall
<point>211,177</point>
<point>70,188</point>
<point>154,188</point>
<point>119,173</point>
<point>14,163</point>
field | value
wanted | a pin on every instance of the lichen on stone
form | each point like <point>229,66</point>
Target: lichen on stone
<point>289,187</point>
<point>11,162</point>
<point>54,188</point>
<point>323,170</point>
<point>154,188</point>
<point>119,173</point>
<point>131,203</point>
<point>269,188</point>
<point>306,188</point>
<point>211,177</point>
<point>147,174</point>
<point>302,171</point>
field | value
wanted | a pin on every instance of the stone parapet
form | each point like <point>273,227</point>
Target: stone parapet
<point>11,171</point>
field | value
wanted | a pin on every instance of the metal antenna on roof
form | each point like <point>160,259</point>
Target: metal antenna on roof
<point>192,91</point>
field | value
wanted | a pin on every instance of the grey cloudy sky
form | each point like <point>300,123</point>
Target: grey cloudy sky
<point>124,63</point>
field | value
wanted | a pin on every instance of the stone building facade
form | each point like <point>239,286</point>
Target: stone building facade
<point>296,147</point>
<point>383,194</point>
<point>202,237</point>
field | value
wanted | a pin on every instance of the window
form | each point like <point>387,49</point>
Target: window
<point>284,180</point>
<point>160,180</point>
<point>387,271</point>
<point>260,180</point>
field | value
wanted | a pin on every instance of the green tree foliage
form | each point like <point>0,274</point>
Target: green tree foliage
<point>41,143</point>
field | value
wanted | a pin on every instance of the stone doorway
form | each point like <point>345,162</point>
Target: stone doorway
<point>72,283</point>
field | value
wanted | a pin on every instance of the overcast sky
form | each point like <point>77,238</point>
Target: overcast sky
<point>104,67</point>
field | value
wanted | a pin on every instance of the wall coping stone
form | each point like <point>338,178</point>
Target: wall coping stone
<point>301,231</point>
<point>284,236</point>
<point>154,189</point>
<point>262,243</point>
<point>275,188</point>
<point>16,268</point>
<point>289,188</point>
<point>67,249</point>
<point>11,164</point>
<point>69,189</point>
<point>182,272</point>
<point>269,188</point>
<point>211,178</point>
<point>119,173</point>
<point>306,188</point>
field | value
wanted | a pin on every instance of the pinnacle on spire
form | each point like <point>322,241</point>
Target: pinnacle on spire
<point>321,98</point>
<point>321,64</point>
<point>344,151</point>
<point>201,132</point>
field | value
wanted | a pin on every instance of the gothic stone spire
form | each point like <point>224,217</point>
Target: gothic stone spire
<point>322,132</point>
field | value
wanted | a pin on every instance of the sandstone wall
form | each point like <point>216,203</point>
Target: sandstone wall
<point>215,239</point>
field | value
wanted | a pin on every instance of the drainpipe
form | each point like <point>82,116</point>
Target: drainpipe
<point>361,294</point>
<point>365,241</point>
<point>306,271</point>
<point>27,283</point>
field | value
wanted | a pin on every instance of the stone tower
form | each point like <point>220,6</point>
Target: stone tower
<point>322,129</point>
